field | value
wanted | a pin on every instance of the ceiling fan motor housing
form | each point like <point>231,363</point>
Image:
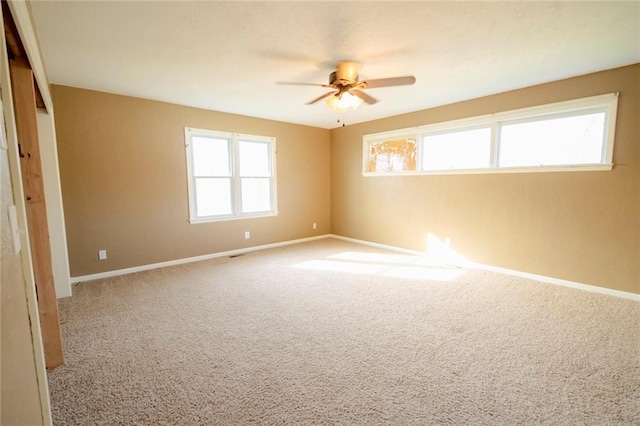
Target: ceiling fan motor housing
<point>346,73</point>
<point>336,82</point>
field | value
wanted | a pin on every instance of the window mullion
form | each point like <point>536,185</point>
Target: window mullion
<point>419,148</point>
<point>495,144</point>
<point>236,193</point>
<point>272,176</point>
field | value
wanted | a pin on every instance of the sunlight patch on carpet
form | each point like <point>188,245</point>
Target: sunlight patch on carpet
<point>390,265</point>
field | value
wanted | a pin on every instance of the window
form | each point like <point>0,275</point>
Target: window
<point>572,135</point>
<point>393,155</point>
<point>464,149</point>
<point>576,139</point>
<point>231,176</point>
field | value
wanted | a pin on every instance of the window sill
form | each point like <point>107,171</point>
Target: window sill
<point>195,220</point>
<point>497,170</point>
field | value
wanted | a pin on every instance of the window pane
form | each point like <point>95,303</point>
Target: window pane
<point>567,140</point>
<point>254,159</point>
<point>393,155</point>
<point>256,195</point>
<point>213,196</point>
<point>469,149</point>
<point>210,156</point>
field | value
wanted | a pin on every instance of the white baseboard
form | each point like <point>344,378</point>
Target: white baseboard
<point>557,281</point>
<point>535,277</point>
<point>377,245</point>
<point>148,267</point>
<point>468,264</point>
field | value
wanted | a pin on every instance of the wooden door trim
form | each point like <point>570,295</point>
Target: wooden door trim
<point>24,101</point>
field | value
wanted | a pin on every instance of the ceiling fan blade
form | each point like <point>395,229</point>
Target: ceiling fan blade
<point>393,81</point>
<point>290,83</point>
<point>319,98</point>
<point>368,99</point>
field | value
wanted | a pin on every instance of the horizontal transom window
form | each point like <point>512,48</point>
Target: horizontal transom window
<point>571,135</point>
<point>230,176</point>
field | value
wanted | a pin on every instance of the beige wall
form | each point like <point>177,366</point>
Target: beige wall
<point>124,184</point>
<point>124,189</point>
<point>19,393</point>
<point>577,226</point>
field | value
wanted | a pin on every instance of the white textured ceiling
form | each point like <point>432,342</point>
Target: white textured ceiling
<point>228,56</point>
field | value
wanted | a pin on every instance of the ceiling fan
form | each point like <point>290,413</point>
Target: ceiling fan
<point>347,88</point>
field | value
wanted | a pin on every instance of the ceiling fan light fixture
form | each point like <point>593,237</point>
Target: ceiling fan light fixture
<point>343,102</point>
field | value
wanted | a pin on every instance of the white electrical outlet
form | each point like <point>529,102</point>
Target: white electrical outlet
<point>102,254</point>
<point>315,225</point>
<point>247,235</point>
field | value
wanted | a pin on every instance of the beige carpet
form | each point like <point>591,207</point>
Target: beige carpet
<point>330,332</point>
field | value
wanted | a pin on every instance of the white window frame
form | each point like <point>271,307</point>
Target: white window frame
<point>602,103</point>
<point>236,192</point>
